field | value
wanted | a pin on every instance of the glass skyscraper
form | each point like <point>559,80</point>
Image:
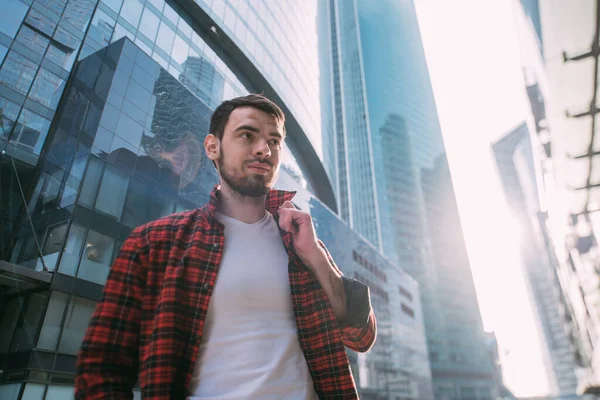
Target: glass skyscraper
<point>515,160</point>
<point>385,126</point>
<point>103,109</point>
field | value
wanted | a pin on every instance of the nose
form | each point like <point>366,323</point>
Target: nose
<point>262,149</point>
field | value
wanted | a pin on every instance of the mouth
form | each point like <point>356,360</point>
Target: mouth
<point>259,167</point>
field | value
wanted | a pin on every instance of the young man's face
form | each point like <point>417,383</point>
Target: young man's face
<point>248,154</point>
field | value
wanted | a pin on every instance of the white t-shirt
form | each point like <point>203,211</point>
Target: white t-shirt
<point>250,347</point>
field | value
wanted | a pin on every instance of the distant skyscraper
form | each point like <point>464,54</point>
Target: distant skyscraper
<point>385,125</point>
<point>515,161</point>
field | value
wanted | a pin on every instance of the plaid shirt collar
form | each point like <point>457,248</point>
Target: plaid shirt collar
<point>273,201</point>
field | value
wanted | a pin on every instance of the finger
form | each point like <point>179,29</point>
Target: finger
<point>286,220</point>
<point>288,204</point>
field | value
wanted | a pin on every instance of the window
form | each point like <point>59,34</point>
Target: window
<point>165,38</point>
<point>48,339</point>
<point>97,257</point>
<point>149,25</point>
<point>132,11</point>
<point>41,22</point>
<point>13,12</point>
<point>8,115</point>
<point>33,391</point>
<point>8,323</point>
<point>408,311</point>
<point>32,40</point>
<point>30,131</point>
<point>78,13</point>
<point>102,28</point>
<point>72,250</point>
<point>91,182</point>
<point>112,192</point>
<point>60,57</point>
<point>53,245</point>
<point>405,293</point>
<point>17,72</point>
<point>60,393</point>
<point>27,326</point>
<point>47,89</point>
<point>79,315</point>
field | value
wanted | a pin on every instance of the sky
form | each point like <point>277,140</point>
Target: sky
<point>474,62</point>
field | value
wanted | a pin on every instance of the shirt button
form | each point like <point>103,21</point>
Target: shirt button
<point>216,245</point>
<point>205,287</point>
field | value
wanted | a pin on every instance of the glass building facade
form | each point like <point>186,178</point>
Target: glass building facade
<point>103,109</point>
<point>379,77</point>
<point>516,165</point>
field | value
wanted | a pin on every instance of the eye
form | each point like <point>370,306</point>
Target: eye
<point>246,135</point>
<point>274,142</point>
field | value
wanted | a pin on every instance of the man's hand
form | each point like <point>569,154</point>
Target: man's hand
<point>300,225</point>
<point>306,246</point>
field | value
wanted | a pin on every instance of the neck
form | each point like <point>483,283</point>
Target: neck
<point>243,208</point>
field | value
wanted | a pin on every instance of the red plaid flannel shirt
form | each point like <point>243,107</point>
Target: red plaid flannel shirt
<point>152,313</point>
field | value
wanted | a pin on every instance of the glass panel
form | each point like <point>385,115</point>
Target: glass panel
<point>47,89</point>
<point>60,393</point>
<point>53,245</point>
<point>51,327</point>
<point>17,72</point>
<point>78,317</point>
<point>30,131</point>
<point>41,22</point>
<point>8,323</point>
<point>3,51</point>
<point>149,25</point>
<point>32,40</point>
<point>78,13</point>
<point>112,192</point>
<point>25,333</point>
<point>97,257</point>
<point>61,58</point>
<point>132,11</point>
<point>72,250</point>
<point>33,391</point>
<point>8,115</point>
<point>102,28</point>
<point>87,197</point>
<point>10,391</point>
<point>180,50</point>
<point>165,38</point>
<point>120,32</point>
<point>114,5</point>
<point>13,12</point>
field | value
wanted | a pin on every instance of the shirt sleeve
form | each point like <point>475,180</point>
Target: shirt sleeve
<point>107,363</point>
<point>359,330</point>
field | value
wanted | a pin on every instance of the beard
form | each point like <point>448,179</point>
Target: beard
<point>253,185</point>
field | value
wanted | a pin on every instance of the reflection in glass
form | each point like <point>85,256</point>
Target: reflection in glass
<point>102,28</point>
<point>78,317</point>
<point>91,182</point>
<point>32,40</point>
<point>96,259</point>
<point>48,338</point>
<point>8,115</point>
<point>112,192</point>
<point>47,89</point>
<point>13,12</point>
<point>8,323</point>
<point>149,25</point>
<point>165,38</point>
<point>60,57</point>
<point>72,250</point>
<point>30,131</point>
<point>132,11</point>
<point>17,72</point>
<point>27,326</point>
<point>33,391</point>
<point>78,14</point>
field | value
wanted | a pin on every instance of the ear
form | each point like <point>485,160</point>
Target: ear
<point>212,146</point>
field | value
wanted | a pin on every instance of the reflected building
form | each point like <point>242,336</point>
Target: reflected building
<point>514,157</point>
<point>558,49</point>
<point>105,106</point>
<point>385,127</point>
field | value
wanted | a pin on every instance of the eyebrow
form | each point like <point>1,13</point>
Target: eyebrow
<point>256,130</point>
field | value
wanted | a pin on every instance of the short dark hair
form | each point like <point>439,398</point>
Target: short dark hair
<point>220,116</point>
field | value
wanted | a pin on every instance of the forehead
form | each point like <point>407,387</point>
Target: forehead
<point>255,117</point>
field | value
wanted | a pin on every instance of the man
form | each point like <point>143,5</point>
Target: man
<point>235,300</point>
